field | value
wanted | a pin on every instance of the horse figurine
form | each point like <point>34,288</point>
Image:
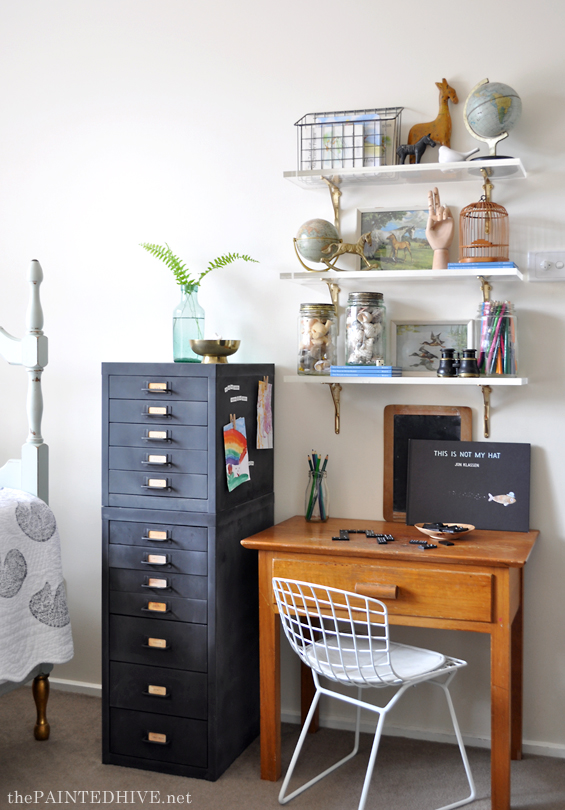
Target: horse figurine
<point>396,246</point>
<point>357,248</point>
<point>440,129</point>
<point>416,149</point>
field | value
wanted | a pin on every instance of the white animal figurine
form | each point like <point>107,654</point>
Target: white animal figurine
<point>447,155</point>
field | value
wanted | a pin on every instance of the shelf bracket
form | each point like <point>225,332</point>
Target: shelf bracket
<point>334,289</point>
<point>486,288</point>
<point>335,390</point>
<point>487,390</point>
<point>335,194</point>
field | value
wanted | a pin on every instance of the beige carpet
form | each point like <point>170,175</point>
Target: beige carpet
<point>409,775</point>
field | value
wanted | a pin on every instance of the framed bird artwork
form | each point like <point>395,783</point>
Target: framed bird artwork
<point>416,346</point>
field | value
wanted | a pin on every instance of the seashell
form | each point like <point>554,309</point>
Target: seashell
<point>320,329</point>
<point>317,352</point>
<point>322,365</point>
<point>310,323</point>
<point>365,316</point>
<point>318,341</point>
<point>372,330</point>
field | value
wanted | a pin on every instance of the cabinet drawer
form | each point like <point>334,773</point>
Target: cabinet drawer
<point>150,388</point>
<point>162,561</point>
<point>158,535</point>
<point>158,412</point>
<point>421,591</point>
<point>154,689</point>
<point>175,645</point>
<point>160,585</point>
<point>158,460</point>
<point>159,606</point>
<point>161,484</point>
<point>176,739</point>
<point>159,436</point>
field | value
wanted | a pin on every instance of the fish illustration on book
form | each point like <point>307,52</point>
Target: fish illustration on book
<point>505,500</point>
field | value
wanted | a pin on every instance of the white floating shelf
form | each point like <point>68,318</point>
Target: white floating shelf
<point>299,378</point>
<point>346,276</point>
<point>503,168</point>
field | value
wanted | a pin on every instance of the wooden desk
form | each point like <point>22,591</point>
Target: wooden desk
<point>476,584</point>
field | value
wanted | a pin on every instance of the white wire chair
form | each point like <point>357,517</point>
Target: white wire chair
<point>344,637</point>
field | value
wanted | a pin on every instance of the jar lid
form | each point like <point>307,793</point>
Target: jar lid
<point>365,298</point>
<point>326,309</point>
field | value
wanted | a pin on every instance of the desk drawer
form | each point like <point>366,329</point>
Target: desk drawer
<point>159,561</point>
<point>421,590</point>
<point>158,460</point>
<point>176,739</point>
<point>188,437</point>
<point>161,484</point>
<point>158,535</point>
<point>154,689</point>
<point>178,645</point>
<point>158,412</point>
<point>160,585</point>
<point>152,388</point>
<point>159,606</point>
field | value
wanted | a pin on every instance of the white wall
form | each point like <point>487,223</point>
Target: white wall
<point>131,120</point>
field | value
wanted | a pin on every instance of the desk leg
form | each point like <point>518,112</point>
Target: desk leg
<point>307,692</point>
<point>501,706</point>
<point>269,668</point>
<point>517,675</point>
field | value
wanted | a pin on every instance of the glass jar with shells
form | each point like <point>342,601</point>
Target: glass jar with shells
<point>317,333</point>
<point>365,329</point>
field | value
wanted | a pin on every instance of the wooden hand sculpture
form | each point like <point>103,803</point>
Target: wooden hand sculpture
<point>439,230</point>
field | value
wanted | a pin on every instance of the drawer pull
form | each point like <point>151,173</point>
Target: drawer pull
<point>155,559</point>
<point>153,582</point>
<point>156,536</point>
<point>157,644</point>
<point>156,739</point>
<point>376,590</point>
<point>157,691</point>
<point>156,483</point>
<point>157,410</point>
<point>157,436</point>
<point>157,388</point>
<point>156,607</point>
<point>162,461</point>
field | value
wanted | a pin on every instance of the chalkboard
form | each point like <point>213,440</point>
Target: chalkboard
<point>405,422</point>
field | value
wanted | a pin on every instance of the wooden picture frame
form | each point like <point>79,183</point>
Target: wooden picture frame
<point>415,346</point>
<point>398,238</point>
<point>404,422</point>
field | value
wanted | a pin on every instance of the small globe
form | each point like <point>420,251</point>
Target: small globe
<point>316,236</point>
<point>492,109</point>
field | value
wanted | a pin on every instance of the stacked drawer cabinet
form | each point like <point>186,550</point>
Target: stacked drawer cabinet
<point>180,607</point>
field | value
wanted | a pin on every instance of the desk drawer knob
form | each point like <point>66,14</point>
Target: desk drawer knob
<point>376,590</point>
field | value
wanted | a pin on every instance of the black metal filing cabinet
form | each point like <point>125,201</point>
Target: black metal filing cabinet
<point>180,606</point>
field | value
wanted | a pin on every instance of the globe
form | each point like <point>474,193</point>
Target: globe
<point>315,236</point>
<point>492,109</point>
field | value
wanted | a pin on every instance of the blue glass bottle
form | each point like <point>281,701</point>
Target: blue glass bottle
<point>188,324</point>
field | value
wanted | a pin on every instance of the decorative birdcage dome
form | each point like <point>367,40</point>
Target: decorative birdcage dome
<point>484,230</point>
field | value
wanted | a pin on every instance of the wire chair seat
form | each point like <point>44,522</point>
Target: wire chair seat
<point>344,637</point>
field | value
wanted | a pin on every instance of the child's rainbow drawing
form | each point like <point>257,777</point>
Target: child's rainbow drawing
<point>237,457</point>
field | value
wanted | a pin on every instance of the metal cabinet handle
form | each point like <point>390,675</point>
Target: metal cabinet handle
<point>157,388</point>
<point>377,590</point>
<point>157,436</point>
<point>150,539</point>
<point>157,483</point>
<point>155,740</point>
<point>165,646</point>
<point>158,412</point>
<point>165,561</point>
<point>164,696</point>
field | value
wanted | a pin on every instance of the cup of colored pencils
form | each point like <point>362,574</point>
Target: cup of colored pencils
<point>317,501</point>
<point>496,334</point>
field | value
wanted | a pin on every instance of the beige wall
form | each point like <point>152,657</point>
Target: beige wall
<point>130,121</point>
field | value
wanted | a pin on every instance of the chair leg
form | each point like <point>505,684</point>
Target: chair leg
<point>372,759</point>
<point>462,751</point>
<point>40,691</point>
<point>284,799</point>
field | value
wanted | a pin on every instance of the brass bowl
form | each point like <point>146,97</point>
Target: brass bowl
<point>214,351</point>
<point>436,534</point>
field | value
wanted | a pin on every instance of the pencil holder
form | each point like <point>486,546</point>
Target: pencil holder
<point>496,339</point>
<point>317,500</point>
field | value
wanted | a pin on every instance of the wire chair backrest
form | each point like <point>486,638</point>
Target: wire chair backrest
<point>341,635</point>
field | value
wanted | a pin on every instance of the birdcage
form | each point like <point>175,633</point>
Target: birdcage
<point>484,230</point>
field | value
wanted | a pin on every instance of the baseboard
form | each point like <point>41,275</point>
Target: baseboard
<point>540,749</point>
<point>80,687</point>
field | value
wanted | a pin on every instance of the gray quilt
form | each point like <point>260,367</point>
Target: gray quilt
<point>34,618</point>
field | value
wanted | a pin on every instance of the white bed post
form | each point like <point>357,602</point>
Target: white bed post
<point>35,454</point>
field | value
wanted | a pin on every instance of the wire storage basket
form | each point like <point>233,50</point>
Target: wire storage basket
<point>348,139</point>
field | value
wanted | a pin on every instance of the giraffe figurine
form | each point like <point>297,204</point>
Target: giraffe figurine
<point>440,129</point>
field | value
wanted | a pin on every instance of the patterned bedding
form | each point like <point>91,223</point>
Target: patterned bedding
<point>34,619</point>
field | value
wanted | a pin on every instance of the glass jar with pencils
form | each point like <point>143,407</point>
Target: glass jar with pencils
<point>317,498</point>
<point>496,339</point>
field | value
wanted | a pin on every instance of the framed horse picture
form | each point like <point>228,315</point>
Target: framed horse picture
<point>395,238</point>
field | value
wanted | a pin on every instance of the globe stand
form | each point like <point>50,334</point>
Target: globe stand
<point>327,262</point>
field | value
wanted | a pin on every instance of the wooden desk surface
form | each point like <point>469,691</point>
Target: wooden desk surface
<point>296,535</point>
